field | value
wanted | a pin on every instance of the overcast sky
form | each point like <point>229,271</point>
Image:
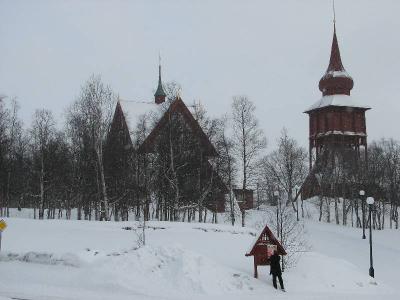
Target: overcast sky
<point>274,52</point>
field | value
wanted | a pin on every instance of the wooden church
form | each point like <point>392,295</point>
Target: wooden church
<point>170,155</point>
<point>337,134</point>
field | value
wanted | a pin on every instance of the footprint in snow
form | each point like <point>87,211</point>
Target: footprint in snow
<point>360,284</point>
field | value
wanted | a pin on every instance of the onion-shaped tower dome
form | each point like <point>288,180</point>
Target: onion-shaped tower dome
<point>336,81</point>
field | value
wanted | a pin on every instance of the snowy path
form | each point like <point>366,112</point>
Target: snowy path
<point>346,243</point>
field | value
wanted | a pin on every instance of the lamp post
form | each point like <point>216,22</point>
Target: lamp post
<point>370,201</point>
<point>362,193</point>
<point>276,195</point>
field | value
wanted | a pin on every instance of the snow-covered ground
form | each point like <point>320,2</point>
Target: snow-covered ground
<point>60,259</point>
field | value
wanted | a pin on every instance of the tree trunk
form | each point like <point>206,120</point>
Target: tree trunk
<point>328,210</point>
<point>7,204</point>
<point>344,213</point>
<point>104,209</point>
<point>321,202</point>
<point>336,212</point>
<point>41,203</point>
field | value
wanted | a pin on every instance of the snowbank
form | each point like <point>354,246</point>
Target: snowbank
<point>58,259</point>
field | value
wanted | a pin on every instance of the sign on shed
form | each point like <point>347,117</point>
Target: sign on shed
<point>263,248</point>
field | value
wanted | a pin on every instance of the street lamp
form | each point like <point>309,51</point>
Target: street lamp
<point>276,195</point>
<point>370,201</point>
<point>362,193</point>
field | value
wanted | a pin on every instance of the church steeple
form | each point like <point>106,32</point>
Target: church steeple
<point>160,94</point>
<point>335,80</point>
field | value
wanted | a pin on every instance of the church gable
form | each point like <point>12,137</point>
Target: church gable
<point>179,107</point>
<point>119,132</point>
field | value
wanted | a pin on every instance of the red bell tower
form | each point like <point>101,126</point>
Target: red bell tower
<point>337,134</point>
<point>337,127</point>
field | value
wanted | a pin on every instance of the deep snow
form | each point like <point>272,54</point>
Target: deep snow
<point>60,259</point>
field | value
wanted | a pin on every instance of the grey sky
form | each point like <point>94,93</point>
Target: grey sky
<point>273,51</point>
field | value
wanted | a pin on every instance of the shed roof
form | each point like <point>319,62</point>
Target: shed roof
<point>272,238</point>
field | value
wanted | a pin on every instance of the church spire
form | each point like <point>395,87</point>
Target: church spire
<point>335,80</point>
<point>335,61</point>
<point>160,94</point>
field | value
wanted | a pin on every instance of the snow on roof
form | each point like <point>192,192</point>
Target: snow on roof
<point>336,100</point>
<point>133,110</point>
<point>339,132</point>
<point>338,73</point>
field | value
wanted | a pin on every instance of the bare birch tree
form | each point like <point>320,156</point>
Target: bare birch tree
<point>94,108</point>
<point>226,165</point>
<point>249,141</point>
<point>42,133</point>
<point>286,166</point>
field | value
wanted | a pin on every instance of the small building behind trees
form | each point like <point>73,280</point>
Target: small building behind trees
<point>245,198</point>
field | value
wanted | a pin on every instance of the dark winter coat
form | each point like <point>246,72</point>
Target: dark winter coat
<point>275,265</point>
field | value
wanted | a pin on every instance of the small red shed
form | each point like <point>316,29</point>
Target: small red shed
<point>263,247</point>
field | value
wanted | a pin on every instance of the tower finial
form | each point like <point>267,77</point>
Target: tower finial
<point>334,15</point>
<point>159,65</point>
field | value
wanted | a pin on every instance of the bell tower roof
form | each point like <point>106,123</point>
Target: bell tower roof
<point>336,81</point>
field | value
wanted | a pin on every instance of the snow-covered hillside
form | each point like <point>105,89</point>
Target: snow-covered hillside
<point>59,259</point>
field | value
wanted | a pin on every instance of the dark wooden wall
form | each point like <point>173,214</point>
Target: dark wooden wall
<point>343,119</point>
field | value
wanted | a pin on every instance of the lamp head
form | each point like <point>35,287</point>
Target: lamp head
<point>370,200</point>
<point>362,192</point>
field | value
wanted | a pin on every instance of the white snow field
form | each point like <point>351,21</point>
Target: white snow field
<point>66,259</point>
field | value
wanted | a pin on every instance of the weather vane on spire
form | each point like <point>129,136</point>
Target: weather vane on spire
<point>334,14</point>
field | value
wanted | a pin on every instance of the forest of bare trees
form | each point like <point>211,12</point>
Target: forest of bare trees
<point>90,167</point>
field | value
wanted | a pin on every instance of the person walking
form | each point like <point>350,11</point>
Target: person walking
<point>276,270</point>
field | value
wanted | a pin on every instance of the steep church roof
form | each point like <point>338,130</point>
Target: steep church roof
<point>178,106</point>
<point>118,127</point>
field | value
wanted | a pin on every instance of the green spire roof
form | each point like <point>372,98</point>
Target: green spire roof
<point>160,89</point>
